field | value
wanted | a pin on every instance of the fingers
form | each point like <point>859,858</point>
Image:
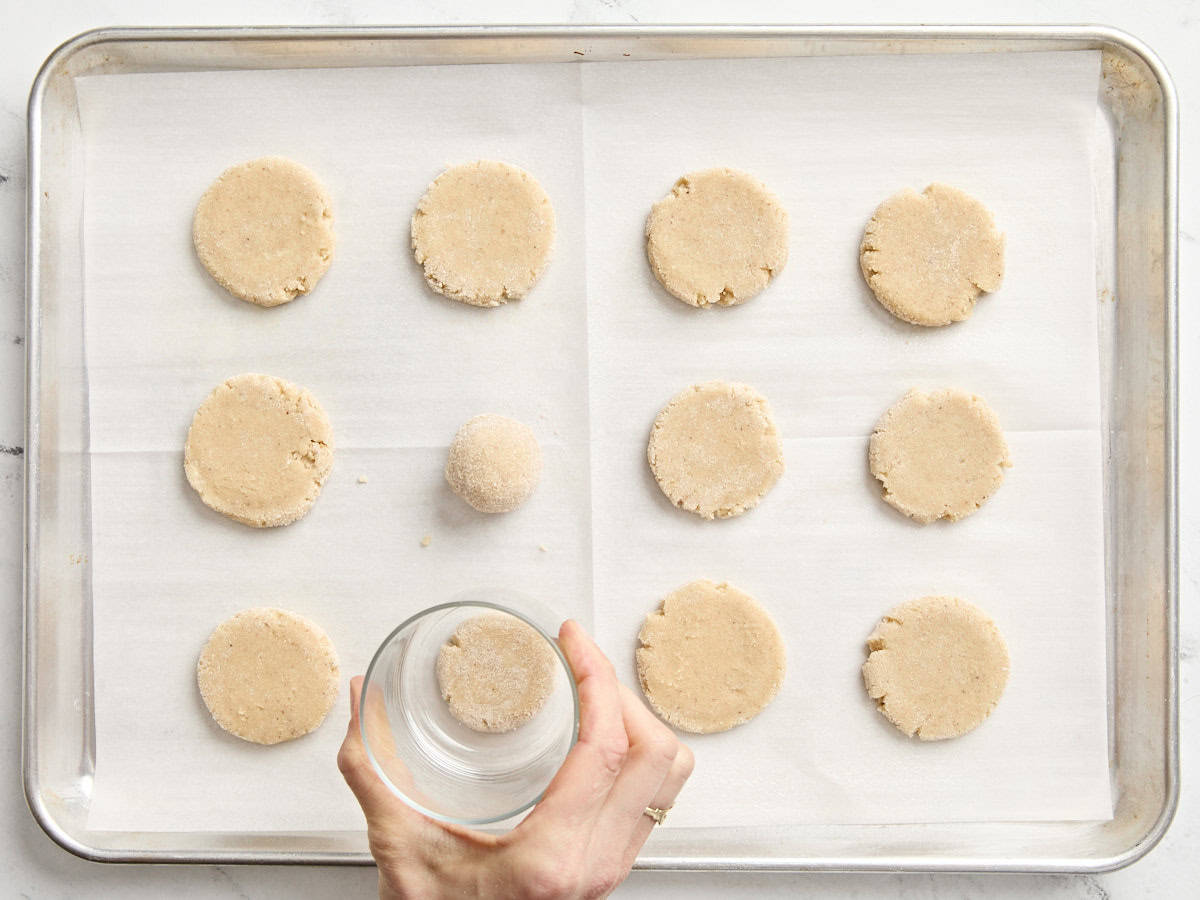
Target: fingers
<point>352,755</point>
<point>578,792</point>
<point>681,769</point>
<point>590,824</point>
<point>653,749</point>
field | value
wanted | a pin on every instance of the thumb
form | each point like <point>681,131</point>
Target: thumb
<point>361,777</point>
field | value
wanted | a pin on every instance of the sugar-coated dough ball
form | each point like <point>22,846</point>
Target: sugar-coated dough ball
<point>718,238</point>
<point>495,673</point>
<point>259,450</point>
<point>928,256</point>
<point>938,455</point>
<point>264,230</point>
<point>494,463</point>
<point>483,232</point>
<point>710,658</point>
<point>714,449</point>
<point>936,667</point>
<point>268,675</point>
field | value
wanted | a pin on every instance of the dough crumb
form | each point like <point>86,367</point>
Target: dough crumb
<point>426,540</point>
<point>495,672</point>
<point>362,479</point>
<point>543,548</point>
<point>936,667</point>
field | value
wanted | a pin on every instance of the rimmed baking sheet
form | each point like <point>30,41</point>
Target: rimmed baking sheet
<point>821,552</point>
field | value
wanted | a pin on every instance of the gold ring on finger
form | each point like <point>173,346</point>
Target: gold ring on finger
<point>658,815</point>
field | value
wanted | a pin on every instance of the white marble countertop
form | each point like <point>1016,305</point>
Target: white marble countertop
<point>32,866</point>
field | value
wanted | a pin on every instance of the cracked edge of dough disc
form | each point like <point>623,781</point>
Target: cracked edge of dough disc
<point>304,281</point>
<point>287,629</point>
<point>986,280</point>
<point>988,671</point>
<point>475,296</point>
<point>715,595</point>
<point>774,469</point>
<point>879,448</point>
<point>470,647</point>
<point>775,252</point>
<point>321,462</point>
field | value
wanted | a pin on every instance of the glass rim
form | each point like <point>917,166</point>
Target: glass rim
<point>454,604</point>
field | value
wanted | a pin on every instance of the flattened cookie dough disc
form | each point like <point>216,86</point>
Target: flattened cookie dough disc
<point>494,463</point>
<point>939,455</point>
<point>936,667</point>
<point>928,256</point>
<point>264,230</point>
<point>719,237</point>
<point>268,675</point>
<point>710,658</point>
<point>483,232</point>
<point>715,450</point>
<point>259,450</point>
<point>495,673</point>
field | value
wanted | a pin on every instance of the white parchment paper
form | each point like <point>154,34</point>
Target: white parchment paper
<point>588,359</point>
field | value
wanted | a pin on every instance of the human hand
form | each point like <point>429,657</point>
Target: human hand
<point>582,837</point>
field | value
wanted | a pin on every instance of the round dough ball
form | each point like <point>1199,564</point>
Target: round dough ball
<point>483,232</point>
<point>936,667</point>
<point>710,658</point>
<point>264,230</point>
<point>715,450</point>
<point>259,450</point>
<point>268,675</point>
<point>495,673</point>
<point>939,455</point>
<point>494,463</point>
<point>928,256</point>
<point>719,238</point>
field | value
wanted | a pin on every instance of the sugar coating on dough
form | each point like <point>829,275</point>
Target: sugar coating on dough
<point>938,455</point>
<point>495,673</point>
<point>718,238</point>
<point>264,230</point>
<point>268,675</point>
<point>928,256</point>
<point>714,449</point>
<point>936,667</point>
<point>483,232</point>
<point>494,463</point>
<point>259,450</point>
<point>710,658</point>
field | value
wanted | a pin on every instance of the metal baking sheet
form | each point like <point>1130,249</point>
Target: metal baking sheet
<point>1136,257</point>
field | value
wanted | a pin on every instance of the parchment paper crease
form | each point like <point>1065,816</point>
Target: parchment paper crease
<point>587,359</point>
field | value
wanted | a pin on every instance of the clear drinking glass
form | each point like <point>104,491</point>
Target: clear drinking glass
<point>432,761</point>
